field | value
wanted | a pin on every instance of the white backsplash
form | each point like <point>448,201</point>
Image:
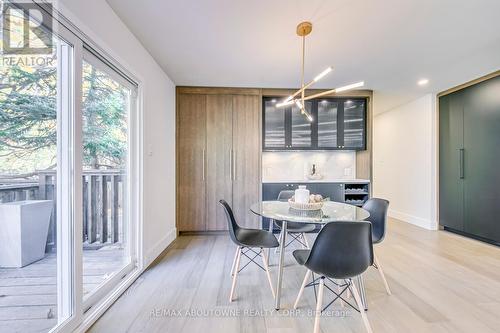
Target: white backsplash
<point>294,166</point>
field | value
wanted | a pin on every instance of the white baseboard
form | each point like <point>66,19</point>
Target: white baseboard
<point>157,249</point>
<point>412,219</point>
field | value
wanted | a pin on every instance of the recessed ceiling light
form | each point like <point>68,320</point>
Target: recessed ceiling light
<point>273,101</point>
<point>349,102</point>
<point>422,82</point>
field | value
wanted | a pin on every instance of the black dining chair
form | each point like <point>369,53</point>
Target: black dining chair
<point>342,251</point>
<point>247,240</point>
<point>296,230</point>
<point>378,217</point>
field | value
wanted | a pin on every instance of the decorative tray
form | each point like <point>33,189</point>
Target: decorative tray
<point>305,206</point>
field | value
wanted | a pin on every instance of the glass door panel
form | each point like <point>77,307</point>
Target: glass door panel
<point>36,216</point>
<point>354,124</point>
<point>327,124</point>
<point>274,136</point>
<point>106,102</point>
<point>301,126</point>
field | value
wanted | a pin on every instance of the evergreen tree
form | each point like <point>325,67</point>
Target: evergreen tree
<point>28,112</point>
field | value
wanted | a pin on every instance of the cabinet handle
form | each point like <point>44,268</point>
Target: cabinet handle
<point>203,165</point>
<point>231,164</point>
<point>461,162</point>
<point>234,164</point>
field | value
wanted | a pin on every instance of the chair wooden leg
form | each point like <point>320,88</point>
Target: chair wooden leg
<point>264,261</point>
<point>235,275</point>
<point>319,305</point>
<point>305,241</point>
<point>301,291</point>
<point>382,275</point>
<point>280,239</point>
<point>362,311</point>
<point>339,290</point>
<point>234,260</point>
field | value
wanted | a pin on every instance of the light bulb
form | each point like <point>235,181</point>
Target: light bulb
<point>322,74</point>
<point>350,86</point>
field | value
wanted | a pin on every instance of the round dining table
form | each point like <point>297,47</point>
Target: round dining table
<point>330,212</point>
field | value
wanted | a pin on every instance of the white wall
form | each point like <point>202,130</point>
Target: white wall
<point>404,161</point>
<point>96,19</point>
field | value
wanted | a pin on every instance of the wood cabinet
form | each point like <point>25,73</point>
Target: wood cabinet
<point>221,160</point>
<point>338,124</point>
<point>191,157</point>
<point>246,157</point>
<point>219,109</point>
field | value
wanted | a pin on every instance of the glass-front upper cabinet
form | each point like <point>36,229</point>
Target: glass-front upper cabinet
<point>327,124</point>
<point>338,124</point>
<point>354,124</point>
<point>301,127</point>
<point>274,125</point>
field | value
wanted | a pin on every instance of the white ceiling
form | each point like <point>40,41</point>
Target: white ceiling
<point>390,44</point>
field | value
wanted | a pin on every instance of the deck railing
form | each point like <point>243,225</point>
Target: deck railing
<point>102,204</point>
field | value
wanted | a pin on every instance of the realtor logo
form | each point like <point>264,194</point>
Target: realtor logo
<point>26,28</point>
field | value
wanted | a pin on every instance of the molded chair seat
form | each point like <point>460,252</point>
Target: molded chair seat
<point>378,217</point>
<point>297,227</point>
<point>301,256</point>
<point>250,244</point>
<point>342,251</point>
<point>256,238</point>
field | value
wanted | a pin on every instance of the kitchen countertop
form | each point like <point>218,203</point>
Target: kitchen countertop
<point>343,181</point>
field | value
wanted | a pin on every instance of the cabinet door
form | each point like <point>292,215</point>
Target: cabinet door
<point>246,157</point>
<point>270,191</point>
<point>191,153</point>
<point>327,124</point>
<point>300,127</point>
<point>482,159</point>
<point>274,125</point>
<point>219,151</point>
<point>354,124</point>
<point>334,191</point>
<point>451,143</point>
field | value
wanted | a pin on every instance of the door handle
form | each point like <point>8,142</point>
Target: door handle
<point>203,164</point>
<point>461,163</point>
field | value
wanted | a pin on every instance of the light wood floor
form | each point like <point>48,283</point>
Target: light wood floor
<point>441,282</point>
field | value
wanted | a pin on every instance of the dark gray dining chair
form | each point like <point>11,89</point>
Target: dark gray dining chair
<point>247,240</point>
<point>378,217</point>
<point>342,251</point>
<point>296,230</point>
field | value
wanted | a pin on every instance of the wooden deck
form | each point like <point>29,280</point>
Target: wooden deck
<point>28,295</point>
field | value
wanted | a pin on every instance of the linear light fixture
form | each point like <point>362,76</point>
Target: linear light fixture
<point>304,29</point>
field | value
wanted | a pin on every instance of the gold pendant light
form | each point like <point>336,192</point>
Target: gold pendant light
<point>304,29</point>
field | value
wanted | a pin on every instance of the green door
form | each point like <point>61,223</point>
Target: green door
<point>451,140</point>
<point>482,159</point>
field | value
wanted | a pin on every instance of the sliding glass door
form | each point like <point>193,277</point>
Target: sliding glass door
<point>37,172</point>
<point>108,99</point>
<point>69,174</point>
